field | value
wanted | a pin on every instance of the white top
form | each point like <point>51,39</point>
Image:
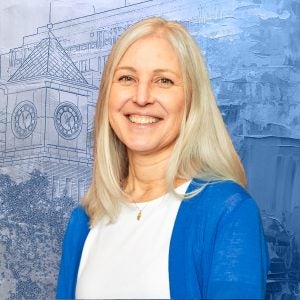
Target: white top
<point>129,259</point>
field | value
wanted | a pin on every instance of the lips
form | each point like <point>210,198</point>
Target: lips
<point>137,119</point>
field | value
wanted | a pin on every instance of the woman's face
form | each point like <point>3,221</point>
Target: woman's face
<point>146,103</point>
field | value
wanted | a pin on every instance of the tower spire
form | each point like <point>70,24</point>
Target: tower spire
<point>50,25</point>
<point>50,13</point>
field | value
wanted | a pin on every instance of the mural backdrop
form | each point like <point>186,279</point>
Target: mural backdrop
<point>49,78</point>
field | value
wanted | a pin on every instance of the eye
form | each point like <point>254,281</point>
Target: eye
<point>165,81</point>
<point>126,79</point>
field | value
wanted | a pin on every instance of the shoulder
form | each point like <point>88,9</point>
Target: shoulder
<point>78,225</point>
<point>75,235</point>
<point>220,198</point>
<point>222,223</point>
<point>219,188</point>
<point>78,215</point>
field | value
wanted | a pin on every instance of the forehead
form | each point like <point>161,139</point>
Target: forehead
<point>152,49</point>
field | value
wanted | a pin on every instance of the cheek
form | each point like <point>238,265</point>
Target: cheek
<point>114,103</point>
<point>112,113</point>
<point>115,116</point>
<point>178,108</point>
<point>118,96</point>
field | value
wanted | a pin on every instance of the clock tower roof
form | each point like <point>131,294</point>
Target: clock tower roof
<point>49,60</point>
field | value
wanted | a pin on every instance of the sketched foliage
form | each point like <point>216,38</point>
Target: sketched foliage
<point>31,233</point>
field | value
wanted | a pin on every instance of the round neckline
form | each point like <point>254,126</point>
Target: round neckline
<point>179,189</point>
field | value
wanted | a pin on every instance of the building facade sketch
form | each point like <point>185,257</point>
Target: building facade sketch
<point>49,85</point>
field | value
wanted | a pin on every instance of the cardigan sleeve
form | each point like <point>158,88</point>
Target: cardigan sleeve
<point>75,235</point>
<point>239,258</point>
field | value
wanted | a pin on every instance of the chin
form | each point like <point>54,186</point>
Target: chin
<point>141,150</point>
<point>147,149</point>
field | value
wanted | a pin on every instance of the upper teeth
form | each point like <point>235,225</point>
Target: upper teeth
<point>142,119</point>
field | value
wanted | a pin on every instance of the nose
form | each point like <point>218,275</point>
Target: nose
<point>143,94</point>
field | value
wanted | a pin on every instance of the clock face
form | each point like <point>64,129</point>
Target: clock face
<point>68,120</point>
<point>24,118</point>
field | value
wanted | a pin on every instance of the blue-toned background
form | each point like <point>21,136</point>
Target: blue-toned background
<point>51,62</point>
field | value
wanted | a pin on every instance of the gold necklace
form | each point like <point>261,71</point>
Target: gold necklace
<point>140,210</point>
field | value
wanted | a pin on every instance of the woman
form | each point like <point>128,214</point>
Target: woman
<point>166,215</point>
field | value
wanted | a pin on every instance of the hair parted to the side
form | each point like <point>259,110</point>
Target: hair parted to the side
<point>203,148</point>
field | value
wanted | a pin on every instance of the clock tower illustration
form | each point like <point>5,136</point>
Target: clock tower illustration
<point>49,105</point>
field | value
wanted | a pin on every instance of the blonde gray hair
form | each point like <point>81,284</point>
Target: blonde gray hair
<point>203,148</point>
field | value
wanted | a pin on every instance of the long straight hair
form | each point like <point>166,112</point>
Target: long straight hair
<point>203,148</point>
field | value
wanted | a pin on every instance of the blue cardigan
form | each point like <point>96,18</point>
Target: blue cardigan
<point>217,248</point>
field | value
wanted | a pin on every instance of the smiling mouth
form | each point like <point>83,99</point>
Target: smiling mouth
<point>142,119</point>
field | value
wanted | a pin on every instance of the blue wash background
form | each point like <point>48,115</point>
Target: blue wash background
<point>48,89</point>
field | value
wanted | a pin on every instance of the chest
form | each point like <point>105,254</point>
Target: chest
<point>131,254</point>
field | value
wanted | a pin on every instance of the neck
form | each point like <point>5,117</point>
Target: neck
<point>147,177</point>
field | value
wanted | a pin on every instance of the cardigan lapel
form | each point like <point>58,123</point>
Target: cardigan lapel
<point>183,275</point>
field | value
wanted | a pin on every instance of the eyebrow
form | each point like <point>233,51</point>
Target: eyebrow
<point>126,68</point>
<point>155,71</point>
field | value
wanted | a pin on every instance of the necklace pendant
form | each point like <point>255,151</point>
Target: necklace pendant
<point>139,215</point>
